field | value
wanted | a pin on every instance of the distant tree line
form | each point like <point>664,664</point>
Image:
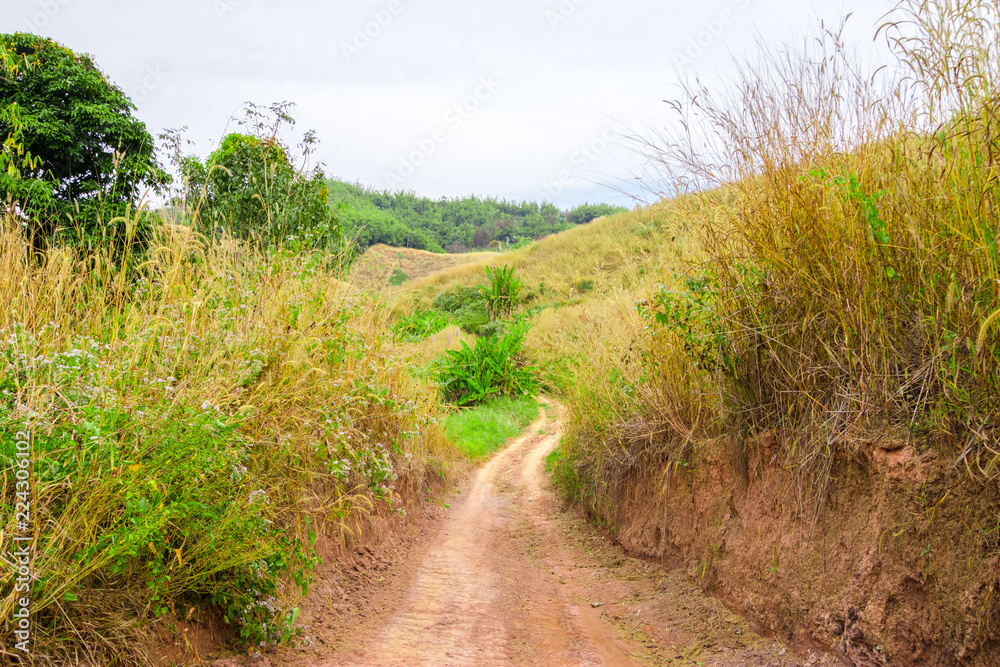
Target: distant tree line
<point>403,219</point>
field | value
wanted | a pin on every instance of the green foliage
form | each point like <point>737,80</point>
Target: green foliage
<point>249,187</point>
<point>420,325</point>
<point>466,306</point>
<point>564,474</point>
<point>690,315</point>
<point>403,219</point>
<point>588,212</point>
<point>398,277</point>
<point>502,295</point>
<point>481,430</point>
<point>182,517</point>
<point>75,159</point>
<point>491,369</point>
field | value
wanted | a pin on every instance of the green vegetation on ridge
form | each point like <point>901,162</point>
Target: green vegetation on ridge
<point>402,219</point>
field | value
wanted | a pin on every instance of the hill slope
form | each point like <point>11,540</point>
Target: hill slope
<point>650,455</point>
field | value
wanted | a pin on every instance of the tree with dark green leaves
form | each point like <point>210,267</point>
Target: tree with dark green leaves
<point>75,160</point>
<point>249,187</point>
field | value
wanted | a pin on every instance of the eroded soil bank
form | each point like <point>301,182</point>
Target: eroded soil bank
<point>898,566</point>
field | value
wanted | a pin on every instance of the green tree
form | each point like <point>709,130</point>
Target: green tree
<point>75,158</point>
<point>588,212</point>
<point>250,187</point>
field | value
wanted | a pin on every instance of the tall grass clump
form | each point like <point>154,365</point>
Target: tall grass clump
<point>853,275</point>
<point>195,422</point>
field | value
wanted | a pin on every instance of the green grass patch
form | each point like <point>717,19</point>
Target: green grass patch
<point>398,277</point>
<point>420,325</point>
<point>479,432</point>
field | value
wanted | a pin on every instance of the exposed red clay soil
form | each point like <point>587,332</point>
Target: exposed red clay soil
<point>507,575</point>
<point>898,567</point>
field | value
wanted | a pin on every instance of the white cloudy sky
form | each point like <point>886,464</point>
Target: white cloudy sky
<point>537,81</point>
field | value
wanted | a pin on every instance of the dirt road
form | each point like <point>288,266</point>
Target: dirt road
<point>511,578</point>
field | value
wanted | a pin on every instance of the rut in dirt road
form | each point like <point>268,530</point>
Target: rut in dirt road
<point>473,602</point>
<point>511,577</point>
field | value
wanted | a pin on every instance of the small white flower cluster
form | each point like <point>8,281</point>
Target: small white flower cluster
<point>341,469</point>
<point>238,471</point>
<point>259,493</point>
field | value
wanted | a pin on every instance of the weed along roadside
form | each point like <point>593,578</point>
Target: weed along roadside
<point>800,412</point>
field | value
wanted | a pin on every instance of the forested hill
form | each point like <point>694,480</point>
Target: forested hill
<point>402,219</point>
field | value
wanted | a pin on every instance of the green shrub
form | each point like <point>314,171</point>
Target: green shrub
<point>691,315</point>
<point>420,325</point>
<point>491,369</point>
<point>398,277</point>
<point>466,306</point>
<point>250,186</point>
<point>457,298</point>
<point>564,474</point>
<point>502,295</point>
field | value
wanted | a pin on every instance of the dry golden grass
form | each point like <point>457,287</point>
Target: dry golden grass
<point>611,252</point>
<point>211,373</point>
<point>378,263</point>
<point>434,346</point>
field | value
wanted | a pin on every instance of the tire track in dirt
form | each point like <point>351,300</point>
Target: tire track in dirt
<point>511,577</point>
<point>471,603</point>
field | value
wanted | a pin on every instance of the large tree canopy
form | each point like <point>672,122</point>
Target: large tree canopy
<point>90,158</point>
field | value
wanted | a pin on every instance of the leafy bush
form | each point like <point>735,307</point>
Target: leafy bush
<point>420,325</point>
<point>398,277</point>
<point>502,295</point>
<point>466,306</point>
<point>491,369</point>
<point>249,187</point>
<point>691,315</point>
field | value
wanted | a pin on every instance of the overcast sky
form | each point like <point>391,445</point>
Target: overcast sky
<point>518,99</point>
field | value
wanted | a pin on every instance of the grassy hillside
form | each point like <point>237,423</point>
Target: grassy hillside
<point>189,429</point>
<point>383,267</point>
<point>828,294</point>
